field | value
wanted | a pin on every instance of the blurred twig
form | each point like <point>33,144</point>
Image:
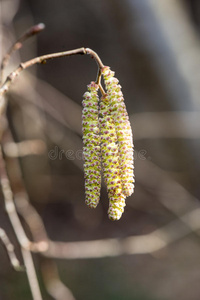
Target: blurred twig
<point>181,124</point>
<point>19,231</point>
<point>10,251</point>
<point>11,210</point>
<point>24,148</point>
<point>31,274</point>
<point>143,244</point>
<point>41,60</point>
<point>18,44</point>
<point>55,287</point>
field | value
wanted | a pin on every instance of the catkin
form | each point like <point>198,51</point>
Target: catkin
<point>91,149</point>
<point>123,130</point>
<point>107,139</point>
<point>110,161</point>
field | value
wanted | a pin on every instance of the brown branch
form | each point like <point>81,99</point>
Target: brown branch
<point>26,245</point>
<point>12,213</point>
<point>132,245</point>
<point>31,274</point>
<point>23,206</point>
<point>18,44</point>
<point>94,55</point>
<point>24,148</point>
<point>40,60</point>
<point>37,60</point>
<point>55,287</point>
<point>10,251</point>
<point>102,90</point>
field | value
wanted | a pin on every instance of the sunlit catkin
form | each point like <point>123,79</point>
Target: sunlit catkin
<point>123,130</point>
<point>110,161</point>
<point>91,149</point>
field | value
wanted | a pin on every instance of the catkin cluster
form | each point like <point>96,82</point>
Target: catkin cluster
<point>108,146</point>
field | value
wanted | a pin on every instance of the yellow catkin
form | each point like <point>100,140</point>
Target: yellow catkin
<point>123,130</point>
<point>91,149</point>
<point>110,161</point>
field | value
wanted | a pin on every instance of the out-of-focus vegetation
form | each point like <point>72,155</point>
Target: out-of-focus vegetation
<point>154,48</point>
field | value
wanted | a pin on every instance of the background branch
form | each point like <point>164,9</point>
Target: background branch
<point>10,251</point>
<point>18,44</point>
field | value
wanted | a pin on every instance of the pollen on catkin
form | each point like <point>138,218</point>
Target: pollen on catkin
<point>110,161</point>
<point>91,149</point>
<point>122,126</point>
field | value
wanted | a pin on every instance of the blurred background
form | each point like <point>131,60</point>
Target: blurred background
<point>154,48</point>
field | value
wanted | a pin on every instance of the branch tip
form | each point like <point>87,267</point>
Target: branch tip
<point>35,29</point>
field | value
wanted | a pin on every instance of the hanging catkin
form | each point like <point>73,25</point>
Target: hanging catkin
<point>91,149</point>
<point>123,130</point>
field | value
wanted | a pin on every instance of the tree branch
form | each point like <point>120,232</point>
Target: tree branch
<point>18,44</point>
<point>10,251</point>
<point>11,211</point>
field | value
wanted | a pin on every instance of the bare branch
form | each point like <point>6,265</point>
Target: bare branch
<point>55,287</point>
<point>26,245</point>
<point>31,273</point>
<point>41,60</point>
<point>18,44</point>
<point>11,210</point>
<point>133,245</point>
<point>95,56</point>
<point>10,251</point>
<point>24,148</point>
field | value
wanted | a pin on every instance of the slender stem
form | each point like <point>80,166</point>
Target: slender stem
<point>95,56</point>
<point>54,286</point>
<point>19,231</point>
<point>102,90</point>
<point>18,44</point>
<point>98,80</point>
<point>31,274</point>
<point>40,60</point>
<point>10,251</point>
<point>12,213</point>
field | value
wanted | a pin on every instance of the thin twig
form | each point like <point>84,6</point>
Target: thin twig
<point>94,55</point>
<point>40,60</point>
<point>31,274</point>
<point>24,148</point>
<point>26,245</point>
<point>132,245</point>
<point>12,213</point>
<point>23,206</point>
<point>98,80</point>
<point>10,251</point>
<point>55,287</point>
<point>18,44</point>
<point>102,90</point>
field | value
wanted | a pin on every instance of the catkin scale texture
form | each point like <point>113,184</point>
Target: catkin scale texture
<point>108,145</point>
<point>123,130</point>
<point>110,161</point>
<point>91,149</point>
